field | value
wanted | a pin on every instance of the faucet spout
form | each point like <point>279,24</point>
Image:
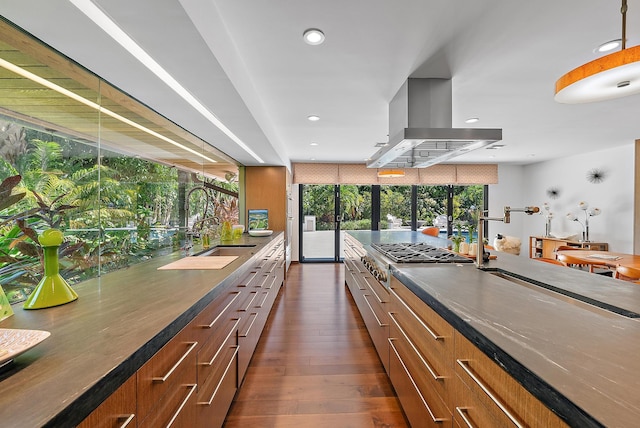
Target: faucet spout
<point>480,254</point>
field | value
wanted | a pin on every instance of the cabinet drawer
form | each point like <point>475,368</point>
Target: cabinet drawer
<point>375,288</point>
<point>422,406</point>
<point>429,370</point>
<point>217,391</point>
<point>500,395</point>
<point>247,301</point>
<point>212,353</point>
<point>117,411</point>
<point>172,366</point>
<point>176,409</point>
<point>209,320</point>
<point>419,320</point>
<point>376,319</point>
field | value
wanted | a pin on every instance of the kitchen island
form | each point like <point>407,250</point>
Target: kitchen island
<point>570,338</point>
<point>124,319</point>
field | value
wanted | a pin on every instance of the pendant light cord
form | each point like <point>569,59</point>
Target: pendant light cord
<point>623,11</point>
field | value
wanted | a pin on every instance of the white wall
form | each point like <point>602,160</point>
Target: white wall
<point>527,185</point>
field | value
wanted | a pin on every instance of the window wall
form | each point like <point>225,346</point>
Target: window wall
<point>123,183</point>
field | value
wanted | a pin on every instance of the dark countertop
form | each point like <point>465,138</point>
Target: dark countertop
<point>392,236</point>
<point>97,342</point>
<point>579,359</point>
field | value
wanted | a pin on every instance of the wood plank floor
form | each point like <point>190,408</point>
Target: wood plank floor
<point>315,365</point>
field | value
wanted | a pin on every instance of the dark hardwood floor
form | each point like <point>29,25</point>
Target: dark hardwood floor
<point>315,365</point>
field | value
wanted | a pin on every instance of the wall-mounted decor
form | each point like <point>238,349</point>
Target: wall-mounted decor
<point>596,176</point>
<point>553,192</point>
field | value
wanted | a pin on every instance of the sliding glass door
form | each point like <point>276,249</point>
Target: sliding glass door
<point>327,211</point>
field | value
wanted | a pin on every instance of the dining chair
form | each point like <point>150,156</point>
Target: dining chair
<point>627,273</point>
<point>431,231</point>
<point>550,261</point>
<point>570,261</point>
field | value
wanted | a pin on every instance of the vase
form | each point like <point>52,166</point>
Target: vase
<point>456,246</point>
<point>473,249</point>
<point>464,248</point>
<point>52,290</point>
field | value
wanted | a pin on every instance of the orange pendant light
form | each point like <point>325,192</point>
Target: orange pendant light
<point>611,76</point>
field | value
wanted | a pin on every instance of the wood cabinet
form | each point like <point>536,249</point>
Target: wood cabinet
<point>117,411</point>
<point>192,379</point>
<point>266,188</point>
<point>546,247</point>
<point>422,348</point>
<point>260,287</point>
<point>167,381</point>
<point>486,395</point>
<point>269,187</point>
<point>442,379</point>
<point>370,296</point>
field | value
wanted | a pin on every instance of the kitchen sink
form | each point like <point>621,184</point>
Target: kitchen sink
<point>576,299</point>
<point>227,250</point>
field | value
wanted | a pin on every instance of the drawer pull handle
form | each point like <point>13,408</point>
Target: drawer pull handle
<point>432,372</point>
<point>255,294</point>
<point>233,330</point>
<point>246,333</point>
<point>463,414</point>
<point>273,281</point>
<point>465,366</point>
<point>226,370</point>
<point>261,304</point>
<point>372,311</point>
<point>366,279</point>
<point>424,402</point>
<point>192,346</point>
<point>264,280</point>
<point>432,333</point>
<point>127,419</point>
<point>222,312</point>
<point>355,278</point>
<point>248,281</point>
<point>192,389</point>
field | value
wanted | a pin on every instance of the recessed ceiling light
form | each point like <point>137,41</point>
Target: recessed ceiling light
<point>313,36</point>
<point>495,147</point>
<point>313,118</point>
<point>472,120</point>
<point>314,144</point>
<point>608,46</point>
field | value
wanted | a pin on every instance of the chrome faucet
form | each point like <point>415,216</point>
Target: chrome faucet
<point>195,230</point>
<point>480,254</point>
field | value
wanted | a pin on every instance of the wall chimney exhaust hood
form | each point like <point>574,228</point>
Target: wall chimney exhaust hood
<point>420,132</point>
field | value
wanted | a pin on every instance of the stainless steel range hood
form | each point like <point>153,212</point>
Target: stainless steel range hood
<point>420,132</point>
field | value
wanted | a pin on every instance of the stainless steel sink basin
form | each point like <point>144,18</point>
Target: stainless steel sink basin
<point>564,295</point>
<point>227,250</point>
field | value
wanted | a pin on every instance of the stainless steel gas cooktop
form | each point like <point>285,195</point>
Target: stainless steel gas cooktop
<point>418,253</point>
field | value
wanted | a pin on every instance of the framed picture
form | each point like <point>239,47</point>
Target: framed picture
<point>258,219</point>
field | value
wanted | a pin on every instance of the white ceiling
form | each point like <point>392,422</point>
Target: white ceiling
<point>246,61</point>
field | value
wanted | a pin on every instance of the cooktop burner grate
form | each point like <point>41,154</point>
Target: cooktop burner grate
<point>418,252</point>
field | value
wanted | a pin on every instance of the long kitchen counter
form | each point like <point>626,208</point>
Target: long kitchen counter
<point>118,322</point>
<point>580,359</point>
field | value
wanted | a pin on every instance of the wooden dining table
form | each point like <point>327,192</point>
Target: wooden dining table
<point>608,258</point>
